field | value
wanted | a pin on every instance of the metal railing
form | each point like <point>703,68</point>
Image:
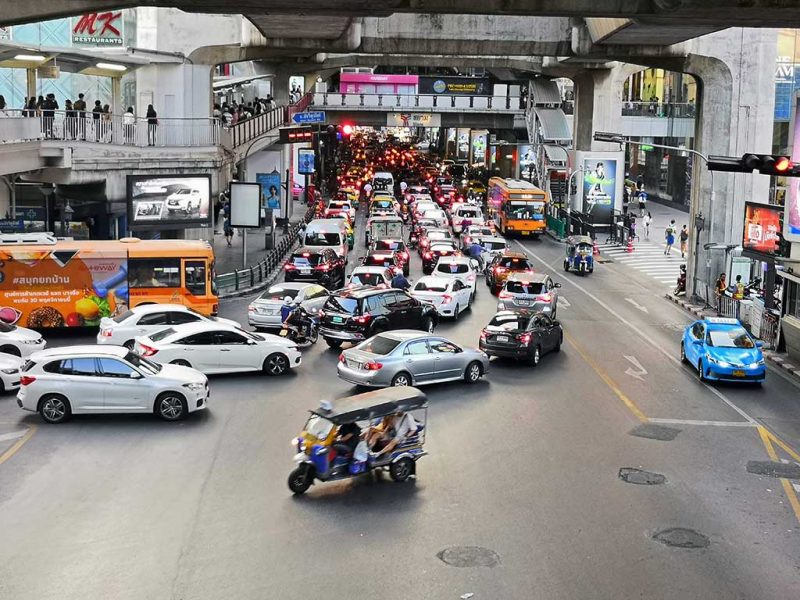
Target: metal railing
<point>249,129</point>
<point>422,102</point>
<point>103,128</point>
<point>673,110</point>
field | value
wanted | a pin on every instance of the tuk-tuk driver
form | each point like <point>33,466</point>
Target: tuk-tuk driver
<point>402,426</point>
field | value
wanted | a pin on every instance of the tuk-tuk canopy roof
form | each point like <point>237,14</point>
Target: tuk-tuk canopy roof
<point>574,240</point>
<point>369,405</point>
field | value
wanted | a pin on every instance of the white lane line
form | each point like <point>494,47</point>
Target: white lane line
<point>710,423</point>
<point>13,435</point>
<point>638,332</point>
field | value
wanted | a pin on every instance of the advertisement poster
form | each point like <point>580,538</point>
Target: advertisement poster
<point>397,119</point>
<point>599,189</point>
<point>271,191</point>
<point>305,161</point>
<point>478,145</point>
<point>527,161</point>
<point>462,144</point>
<point>98,29</point>
<point>61,288</point>
<point>169,202</point>
<point>762,226</point>
<point>791,225</point>
<point>457,86</point>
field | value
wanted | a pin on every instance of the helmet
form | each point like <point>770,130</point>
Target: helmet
<point>287,299</point>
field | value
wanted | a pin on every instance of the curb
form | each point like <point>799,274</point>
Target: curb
<point>686,305</point>
<point>265,283</point>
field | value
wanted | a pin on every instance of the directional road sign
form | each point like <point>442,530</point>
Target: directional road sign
<point>317,116</point>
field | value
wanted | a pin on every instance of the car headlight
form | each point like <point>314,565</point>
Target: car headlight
<point>718,362</point>
<point>10,371</point>
<point>755,365</point>
<point>195,386</point>
<point>36,341</point>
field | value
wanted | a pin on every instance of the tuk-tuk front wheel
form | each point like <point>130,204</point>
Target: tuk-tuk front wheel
<point>402,469</point>
<point>300,479</point>
<point>566,266</point>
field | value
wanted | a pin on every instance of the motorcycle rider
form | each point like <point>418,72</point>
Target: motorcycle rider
<point>399,281</point>
<point>300,320</point>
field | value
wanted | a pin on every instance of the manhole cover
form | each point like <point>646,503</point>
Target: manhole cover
<point>774,469</point>
<point>469,556</point>
<point>639,477</point>
<point>655,432</point>
<point>678,537</point>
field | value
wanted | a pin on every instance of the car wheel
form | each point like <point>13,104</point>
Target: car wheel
<point>171,407</point>
<point>54,409</point>
<point>700,374</point>
<point>180,362</point>
<point>428,325</point>
<point>300,479</point>
<point>402,379</point>
<point>536,357</point>
<point>558,345</point>
<point>456,313</point>
<point>473,372</point>
<point>683,354</point>
<point>276,364</point>
<point>566,266</point>
<point>129,344</point>
<point>401,470</point>
<point>332,343</point>
<point>406,270</point>
<point>13,350</point>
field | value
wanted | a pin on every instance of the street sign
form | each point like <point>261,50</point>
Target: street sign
<point>317,116</point>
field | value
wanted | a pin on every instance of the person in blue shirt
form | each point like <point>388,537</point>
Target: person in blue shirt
<point>400,282</point>
<point>286,308</point>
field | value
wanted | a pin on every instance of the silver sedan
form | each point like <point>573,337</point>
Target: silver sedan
<point>407,357</point>
<point>265,311</point>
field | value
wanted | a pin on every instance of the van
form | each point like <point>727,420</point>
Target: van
<point>326,233</point>
<point>383,181</point>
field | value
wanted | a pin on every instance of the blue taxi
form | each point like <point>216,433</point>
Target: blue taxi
<point>722,350</point>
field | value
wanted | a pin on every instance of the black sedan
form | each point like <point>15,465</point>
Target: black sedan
<point>434,252</point>
<point>522,335</point>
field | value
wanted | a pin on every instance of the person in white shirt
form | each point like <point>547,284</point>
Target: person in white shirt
<point>128,125</point>
<point>403,186</point>
<point>402,426</point>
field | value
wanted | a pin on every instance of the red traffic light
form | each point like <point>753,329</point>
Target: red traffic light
<point>347,129</point>
<point>783,164</point>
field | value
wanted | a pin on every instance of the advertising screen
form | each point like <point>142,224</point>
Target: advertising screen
<point>527,161</point>
<point>791,226</point>
<point>762,227</point>
<point>271,191</point>
<point>245,204</point>
<point>169,202</point>
<point>305,161</point>
<point>599,189</point>
<point>458,86</point>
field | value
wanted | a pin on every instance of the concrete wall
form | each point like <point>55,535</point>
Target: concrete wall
<point>174,90</point>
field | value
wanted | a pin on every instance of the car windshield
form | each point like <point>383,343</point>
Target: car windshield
<point>516,264</point>
<point>318,427</point>
<point>735,337</point>
<point>341,304</point>
<point>305,259</point>
<point>278,293</point>
<point>143,364</point>
<point>452,268</point>
<point>512,322</point>
<point>162,334</point>
<point>379,345</point>
<point>523,287</point>
<point>184,191</point>
<point>5,327</point>
<point>431,286</point>
<point>320,238</point>
<point>118,319</point>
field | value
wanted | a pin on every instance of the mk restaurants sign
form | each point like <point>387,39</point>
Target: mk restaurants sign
<point>97,29</point>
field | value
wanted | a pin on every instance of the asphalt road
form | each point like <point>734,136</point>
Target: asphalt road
<point>524,466</point>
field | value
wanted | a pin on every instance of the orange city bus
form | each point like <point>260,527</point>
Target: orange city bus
<point>519,207</point>
<point>49,282</point>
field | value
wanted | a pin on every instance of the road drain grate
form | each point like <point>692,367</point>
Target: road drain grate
<point>640,477</point>
<point>774,469</point>
<point>678,537</point>
<point>655,432</point>
<point>469,556</point>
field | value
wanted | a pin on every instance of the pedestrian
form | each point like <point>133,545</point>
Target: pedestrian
<point>648,219</point>
<point>129,126</point>
<point>719,290</point>
<point>642,202</point>
<point>217,113</point>
<point>39,105</point>
<point>228,230</point>
<point>97,113</point>
<point>684,239</point>
<point>71,120</point>
<point>152,124</point>
<point>49,106</point>
<point>738,294</point>
<point>80,107</point>
<point>626,198</point>
<point>669,236</point>
<point>107,124</point>
<point>2,106</point>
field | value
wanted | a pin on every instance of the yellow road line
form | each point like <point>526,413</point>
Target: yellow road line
<point>17,445</point>
<point>630,404</point>
<point>783,445</point>
<point>766,438</point>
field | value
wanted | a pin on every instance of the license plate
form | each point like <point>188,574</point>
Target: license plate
<point>525,232</point>
<point>738,373</point>
<point>283,333</point>
<point>353,364</point>
<point>337,320</point>
<point>305,271</point>
<point>502,338</point>
<point>524,302</point>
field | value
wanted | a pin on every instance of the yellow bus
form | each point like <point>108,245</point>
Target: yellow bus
<point>48,282</point>
<point>519,207</point>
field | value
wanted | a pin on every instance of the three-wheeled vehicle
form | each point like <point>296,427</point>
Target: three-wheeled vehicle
<point>579,254</point>
<point>323,456</point>
<point>383,227</point>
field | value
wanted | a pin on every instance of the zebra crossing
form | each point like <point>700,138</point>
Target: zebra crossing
<point>649,258</point>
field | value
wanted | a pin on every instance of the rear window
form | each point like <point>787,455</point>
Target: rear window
<point>439,235</point>
<point>510,322</point>
<point>431,286</point>
<point>319,238</point>
<point>341,304</point>
<point>379,261</point>
<point>519,287</point>
<point>379,345</point>
<point>122,317</point>
<point>468,212</point>
<point>452,268</point>
<point>442,249</point>
<point>338,205</point>
<point>306,259</point>
<point>516,264</point>
<point>366,279</point>
<point>278,293</point>
<point>492,246</point>
<point>161,334</point>
<point>388,245</point>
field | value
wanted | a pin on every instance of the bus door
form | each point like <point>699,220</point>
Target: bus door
<point>197,280</point>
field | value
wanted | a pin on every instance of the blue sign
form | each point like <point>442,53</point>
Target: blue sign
<point>271,191</point>
<point>317,116</point>
<point>12,225</point>
<point>305,161</point>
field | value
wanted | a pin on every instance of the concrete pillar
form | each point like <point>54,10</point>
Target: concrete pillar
<point>30,82</point>
<point>280,85</point>
<point>116,96</point>
<point>175,90</point>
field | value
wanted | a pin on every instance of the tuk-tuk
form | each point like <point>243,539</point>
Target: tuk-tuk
<point>383,227</point>
<point>323,456</point>
<point>579,254</point>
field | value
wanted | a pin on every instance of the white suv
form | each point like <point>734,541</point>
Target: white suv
<point>185,200</point>
<point>62,382</point>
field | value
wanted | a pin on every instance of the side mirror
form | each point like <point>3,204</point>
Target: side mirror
<point>556,285</point>
<point>759,344</point>
<point>556,323</point>
<point>137,375</point>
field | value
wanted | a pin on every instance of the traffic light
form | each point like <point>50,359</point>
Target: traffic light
<point>766,164</point>
<point>347,130</point>
<point>295,135</point>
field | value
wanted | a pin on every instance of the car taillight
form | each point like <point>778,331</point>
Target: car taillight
<point>373,365</point>
<point>447,298</point>
<point>321,313</point>
<point>148,350</point>
<point>105,332</point>
<point>289,267</point>
<point>323,267</point>
<point>341,357</point>
<point>26,380</point>
<point>546,298</point>
<point>483,335</point>
<point>427,255</point>
<point>471,277</point>
<point>251,308</point>
<point>504,295</point>
<point>524,338</point>
<point>363,319</point>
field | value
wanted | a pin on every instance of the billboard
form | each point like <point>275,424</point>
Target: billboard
<point>271,191</point>
<point>762,227</point>
<point>245,204</point>
<point>5,32</point>
<point>599,188</point>
<point>458,86</point>
<point>98,29</point>
<point>791,224</point>
<point>169,201</point>
<point>527,161</point>
<point>462,144</point>
<point>400,119</point>
<point>305,161</point>
<point>60,288</point>
<point>478,146</point>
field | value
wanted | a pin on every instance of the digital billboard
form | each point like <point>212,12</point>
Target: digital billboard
<point>245,204</point>
<point>762,228</point>
<point>791,225</point>
<point>599,189</point>
<point>169,201</point>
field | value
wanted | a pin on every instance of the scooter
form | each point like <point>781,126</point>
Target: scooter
<point>301,328</point>
<point>680,289</point>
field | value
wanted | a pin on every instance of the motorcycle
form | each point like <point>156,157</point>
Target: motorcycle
<point>413,241</point>
<point>680,289</point>
<point>301,327</point>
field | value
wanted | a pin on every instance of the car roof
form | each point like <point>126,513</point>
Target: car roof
<point>370,269</point>
<point>82,350</point>
<point>454,259</point>
<point>403,335</point>
<point>528,277</point>
<point>429,278</point>
<point>294,285</point>
<point>307,250</point>
<point>362,292</point>
<point>513,254</point>
<point>722,322</point>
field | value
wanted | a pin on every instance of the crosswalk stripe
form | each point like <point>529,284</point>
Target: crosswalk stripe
<point>647,258</point>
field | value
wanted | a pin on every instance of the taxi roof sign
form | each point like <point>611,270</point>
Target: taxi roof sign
<point>722,321</point>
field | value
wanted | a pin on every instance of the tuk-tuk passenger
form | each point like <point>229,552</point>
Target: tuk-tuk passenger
<point>347,438</point>
<point>402,426</point>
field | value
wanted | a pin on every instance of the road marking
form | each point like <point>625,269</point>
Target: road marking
<point>19,444</point>
<point>563,302</point>
<point>607,379</point>
<point>637,305</point>
<point>766,438</point>
<point>13,435</point>
<point>640,370</point>
<point>700,422</point>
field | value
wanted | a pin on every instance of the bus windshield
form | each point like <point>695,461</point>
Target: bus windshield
<point>525,210</point>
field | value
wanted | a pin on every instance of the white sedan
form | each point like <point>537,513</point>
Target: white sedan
<point>214,348</point>
<point>375,276</point>
<point>20,341</point>
<point>149,318</point>
<point>10,367</point>
<point>437,215</point>
<point>451,297</point>
<point>459,267</point>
